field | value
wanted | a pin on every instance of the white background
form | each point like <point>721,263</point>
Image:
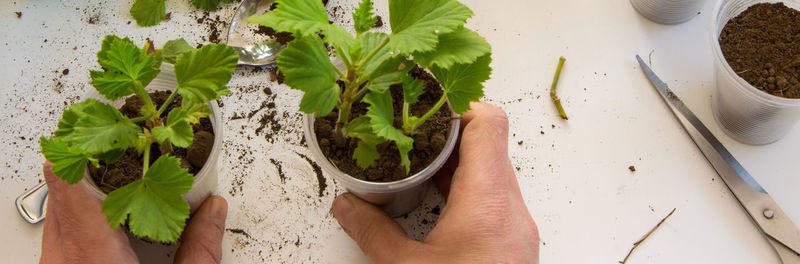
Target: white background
<point>589,207</point>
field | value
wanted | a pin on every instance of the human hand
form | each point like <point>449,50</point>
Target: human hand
<point>485,219</point>
<point>76,230</point>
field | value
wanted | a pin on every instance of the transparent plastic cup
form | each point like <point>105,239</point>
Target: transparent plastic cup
<point>397,197</point>
<point>668,11</point>
<point>744,112</point>
<point>205,181</point>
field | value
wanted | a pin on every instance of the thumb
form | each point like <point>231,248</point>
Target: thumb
<point>380,237</point>
<point>202,240</point>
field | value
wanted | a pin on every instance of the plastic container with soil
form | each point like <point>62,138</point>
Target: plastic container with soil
<point>396,197</point>
<point>744,112</point>
<point>205,180</point>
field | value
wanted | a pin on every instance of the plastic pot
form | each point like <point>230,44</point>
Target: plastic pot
<point>397,197</point>
<point>668,11</point>
<point>745,113</point>
<point>205,181</point>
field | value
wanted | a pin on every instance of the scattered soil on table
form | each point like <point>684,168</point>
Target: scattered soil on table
<point>428,143</point>
<point>128,169</point>
<point>280,37</point>
<point>632,168</point>
<point>19,14</point>
<point>379,23</point>
<point>762,45</point>
<point>215,25</point>
<point>321,182</point>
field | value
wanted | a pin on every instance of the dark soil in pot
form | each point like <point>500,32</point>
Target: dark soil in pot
<point>762,45</point>
<point>428,143</point>
<point>128,169</point>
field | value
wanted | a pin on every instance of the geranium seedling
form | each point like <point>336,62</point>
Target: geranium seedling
<point>91,130</point>
<point>428,33</point>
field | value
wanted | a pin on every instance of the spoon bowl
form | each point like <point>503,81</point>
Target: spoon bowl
<point>253,48</point>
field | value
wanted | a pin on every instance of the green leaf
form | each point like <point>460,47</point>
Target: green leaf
<point>416,24</point>
<point>71,115</point>
<point>174,48</point>
<point>126,68</point>
<point>384,68</point>
<point>302,17</point>
<point>365,154</point>
<point>209,5</point>
<point>194,113</point>
<point>111,156</point>
<point>361,128</point>
<point>381,114</point>
<point>149,12</point>
<point>203,73</point>
<point>102,129</point>
<point>338,37</point>
<point>69,163</point>
<point>363,17</point>
<point>306,65</point>
<point>177,130</point>
<point>153,204</point>
<point>462,46</point>
<point>412,89</point>
<point>463,83</point>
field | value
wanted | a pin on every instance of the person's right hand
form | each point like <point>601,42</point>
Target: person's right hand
<point>485,219</point>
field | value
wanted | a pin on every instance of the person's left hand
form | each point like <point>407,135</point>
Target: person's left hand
<point>76,230</point>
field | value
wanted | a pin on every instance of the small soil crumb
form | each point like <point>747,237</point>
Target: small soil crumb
<point>19,14</point>
<point>520,142</point>
<point>280,169</point>
<point>65,72</point>
<point>379,23</point>
<point>240,232</point>
<point>168,16</point>
<point>762,45</point>
<point>275,74</point>
<point>93,19</point>
<point>632,168</point>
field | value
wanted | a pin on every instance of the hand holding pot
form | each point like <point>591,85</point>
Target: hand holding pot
<point>76,230</point>
<point>485,219</point>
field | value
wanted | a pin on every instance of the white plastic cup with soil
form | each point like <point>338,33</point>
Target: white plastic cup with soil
<point>395,198</point>
<point>205,181</point>
<point>668,11</point>
<point>744,112</point>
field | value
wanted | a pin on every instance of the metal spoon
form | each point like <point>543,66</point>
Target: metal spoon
<point>253,49</point>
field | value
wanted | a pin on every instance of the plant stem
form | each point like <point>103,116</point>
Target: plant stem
<point>553,95</point>
<point>166,103</point>
<point>357,97</point>
<point>148,103</point>
<point>405,113</point>
<point>635,245</point>
<point>146,160</point>
<point>430,113</point>
<point>344,58</point>
<point>373,52</point>
<point>139,119</point>
<point>339,72</point>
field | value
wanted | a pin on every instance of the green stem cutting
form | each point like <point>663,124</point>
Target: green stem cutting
<point>553,95</point>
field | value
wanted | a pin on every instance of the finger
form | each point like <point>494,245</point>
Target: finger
<point>484,166</point>
<point>202,239</point>
<point>73,206</point>
<point>51,246</point>
<point>378,236</point>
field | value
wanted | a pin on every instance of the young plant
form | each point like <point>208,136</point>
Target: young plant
<point>428,33</point>
<point>151,12</point>
<point>91,130</point>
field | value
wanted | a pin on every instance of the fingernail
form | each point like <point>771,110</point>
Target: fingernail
<point>219,208</point>
<point>342,208</point>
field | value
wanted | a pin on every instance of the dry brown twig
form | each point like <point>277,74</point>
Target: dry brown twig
<point>635,245</point>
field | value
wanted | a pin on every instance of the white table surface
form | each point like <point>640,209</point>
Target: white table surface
<point>589,207</point>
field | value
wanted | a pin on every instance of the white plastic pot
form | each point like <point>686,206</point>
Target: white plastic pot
<point>668,11</point>
<point>745,113</point>
<point>205,181</point>
<point>396,198</point>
